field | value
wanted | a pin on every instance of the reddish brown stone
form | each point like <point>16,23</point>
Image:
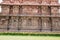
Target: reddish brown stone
<point>13,23</point>
<point>54,1</point>
<point>5,10</point>
<point>46,24</point>
<point>56,24</point>
<point>26,16</point>
<point>46,1</point>
<point>45,10</point>
<point>54,10</point>
<point>30,10</point>
<point>15,10</point>
<point>3,22</point>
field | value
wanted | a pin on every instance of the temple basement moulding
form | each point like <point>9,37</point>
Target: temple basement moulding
<point>30,16</point>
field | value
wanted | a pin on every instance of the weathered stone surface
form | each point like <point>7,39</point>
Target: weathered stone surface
<point>25,16</point>
<point>45,1</point>
<point>13,23</point>
<point>30,10</point>
<point>3,22</point>
<point>56,24</point>
<point>29,31</point>
<point>5,10</point>
<point>45,10</point>
<point>54,1</point>
<point>54,11</point>
<point>29,23</point>
<point>3,30</point>
<point>15,10</point>
<point>46,24</point>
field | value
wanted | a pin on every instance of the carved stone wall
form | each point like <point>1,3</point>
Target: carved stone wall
<point>29,16</point>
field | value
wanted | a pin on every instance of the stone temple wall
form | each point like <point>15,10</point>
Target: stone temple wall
<point>29,16</point>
